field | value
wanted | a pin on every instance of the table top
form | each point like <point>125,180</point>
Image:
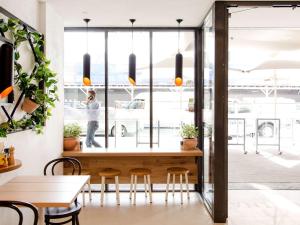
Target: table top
<point>9,168</point>
<point>111,152</point>
<point>44,191</point>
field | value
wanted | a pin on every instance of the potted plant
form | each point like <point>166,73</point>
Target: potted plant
<point>189,133</point>
<point>71,136</point>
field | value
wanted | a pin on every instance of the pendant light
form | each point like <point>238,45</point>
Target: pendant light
<point>178,60</point>
<point>132,59</point>
<point>87,59</point>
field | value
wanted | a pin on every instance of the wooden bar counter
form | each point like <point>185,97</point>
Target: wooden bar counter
<point>158,160</point>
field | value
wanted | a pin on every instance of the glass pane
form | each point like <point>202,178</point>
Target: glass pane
<point>208,107</point>
<point>128,105</point>
<point>172,105</point>
<point>75,103</point>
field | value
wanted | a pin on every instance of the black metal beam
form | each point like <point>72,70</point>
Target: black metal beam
<point>106,89</point>
<point>263,3</point>
<point>127,29</point>
<point>151,87</point>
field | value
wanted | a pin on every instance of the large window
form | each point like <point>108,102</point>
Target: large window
<point>128,106</point>
<point>172,105</point>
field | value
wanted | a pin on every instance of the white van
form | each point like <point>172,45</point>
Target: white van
<point>170,109</point>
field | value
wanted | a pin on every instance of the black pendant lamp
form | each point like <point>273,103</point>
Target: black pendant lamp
<point>132,59</point>
<point>87,59</point>
<point>178,60</point>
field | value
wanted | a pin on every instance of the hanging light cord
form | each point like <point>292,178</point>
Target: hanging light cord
<point>87,33</point>
<point>132,22</point>
<point>87,37</point>
<point>178,35</point>
<point>132,37</point>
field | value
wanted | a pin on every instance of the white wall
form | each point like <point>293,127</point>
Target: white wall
<point>32,149</point>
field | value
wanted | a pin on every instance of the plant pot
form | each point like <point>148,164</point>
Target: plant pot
<point>189,144</point>
<point>71,143</point>
<point>29,106</point>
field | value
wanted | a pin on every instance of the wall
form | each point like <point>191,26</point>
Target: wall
<point>35,150</point>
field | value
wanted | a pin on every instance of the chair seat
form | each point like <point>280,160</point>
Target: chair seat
<point>62,212</point>
<point>140,171</point>
<point>177,170</point>
<point>109,172</point>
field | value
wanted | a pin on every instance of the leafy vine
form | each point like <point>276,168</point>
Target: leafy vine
<point>39,85</point>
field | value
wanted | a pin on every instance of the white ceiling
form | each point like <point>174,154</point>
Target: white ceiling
<point>117,13</point>
<point>264,17</point>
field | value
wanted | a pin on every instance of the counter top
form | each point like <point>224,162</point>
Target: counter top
<point>110,152</point>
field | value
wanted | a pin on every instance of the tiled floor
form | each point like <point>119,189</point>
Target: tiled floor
<point>157,213</point>
<point>252,207</point>
<point>263,207</point>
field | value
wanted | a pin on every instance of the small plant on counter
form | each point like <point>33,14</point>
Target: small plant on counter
<point>189,133</point>
<point>71,136</point>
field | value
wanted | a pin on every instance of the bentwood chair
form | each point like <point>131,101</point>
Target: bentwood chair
<point>76,170</point>
<point>71,213</point>
<point>14,205</point>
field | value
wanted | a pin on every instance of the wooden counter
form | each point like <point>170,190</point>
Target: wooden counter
<point>158,160</point>
<point>128,152</point>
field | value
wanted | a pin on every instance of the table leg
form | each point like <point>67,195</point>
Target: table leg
<point>41,216</point>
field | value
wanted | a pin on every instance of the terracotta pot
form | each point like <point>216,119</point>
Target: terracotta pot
<point>29,106</point>
<point>189,144</point>
<point>71,143</point>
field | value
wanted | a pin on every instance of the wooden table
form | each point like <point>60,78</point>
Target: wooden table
<point>44,191</point>
<point>158,160</point>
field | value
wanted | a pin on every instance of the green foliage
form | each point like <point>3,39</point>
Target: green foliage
<point>3,132</point>
<point>72,130</point>
<point>189,131</point>
<point>29,82</point>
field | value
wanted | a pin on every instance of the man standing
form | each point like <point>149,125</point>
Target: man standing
<point>92,116</point>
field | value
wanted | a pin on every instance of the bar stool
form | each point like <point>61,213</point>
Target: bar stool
<point>110,173</point>
<point>134,174</point>
<point>89,187</point>
<point>178,171</point>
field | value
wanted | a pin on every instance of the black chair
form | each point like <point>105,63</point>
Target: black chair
<point>15,206</point>
<point>72,212</point>
<point>76,165</point>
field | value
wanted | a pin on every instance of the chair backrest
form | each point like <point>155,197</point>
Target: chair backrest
<point>75,164</point>
<point>15,206</point>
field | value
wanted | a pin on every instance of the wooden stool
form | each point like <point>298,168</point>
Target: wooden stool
<point>178,171</point>
<point>134,174</point>
<point>88,184</point>
<point>110,173</point>
<point>89,187</point>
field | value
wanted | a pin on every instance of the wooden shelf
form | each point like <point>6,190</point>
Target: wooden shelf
<point>17,165</point>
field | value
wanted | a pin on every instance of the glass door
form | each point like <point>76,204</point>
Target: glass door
<point>214,111</point>
<point>208,107</point>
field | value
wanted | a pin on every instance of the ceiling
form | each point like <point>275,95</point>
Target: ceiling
<point>251,17</point>
<point>116,13</point>
<point>262,48</point>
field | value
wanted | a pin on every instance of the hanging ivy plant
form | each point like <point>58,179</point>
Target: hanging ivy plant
<point>39,85</point>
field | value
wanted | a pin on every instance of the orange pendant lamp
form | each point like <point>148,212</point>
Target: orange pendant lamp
<point>87,59</point>
<point>178,60</point>
<point>6,72</point>
<point>132,60</point>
